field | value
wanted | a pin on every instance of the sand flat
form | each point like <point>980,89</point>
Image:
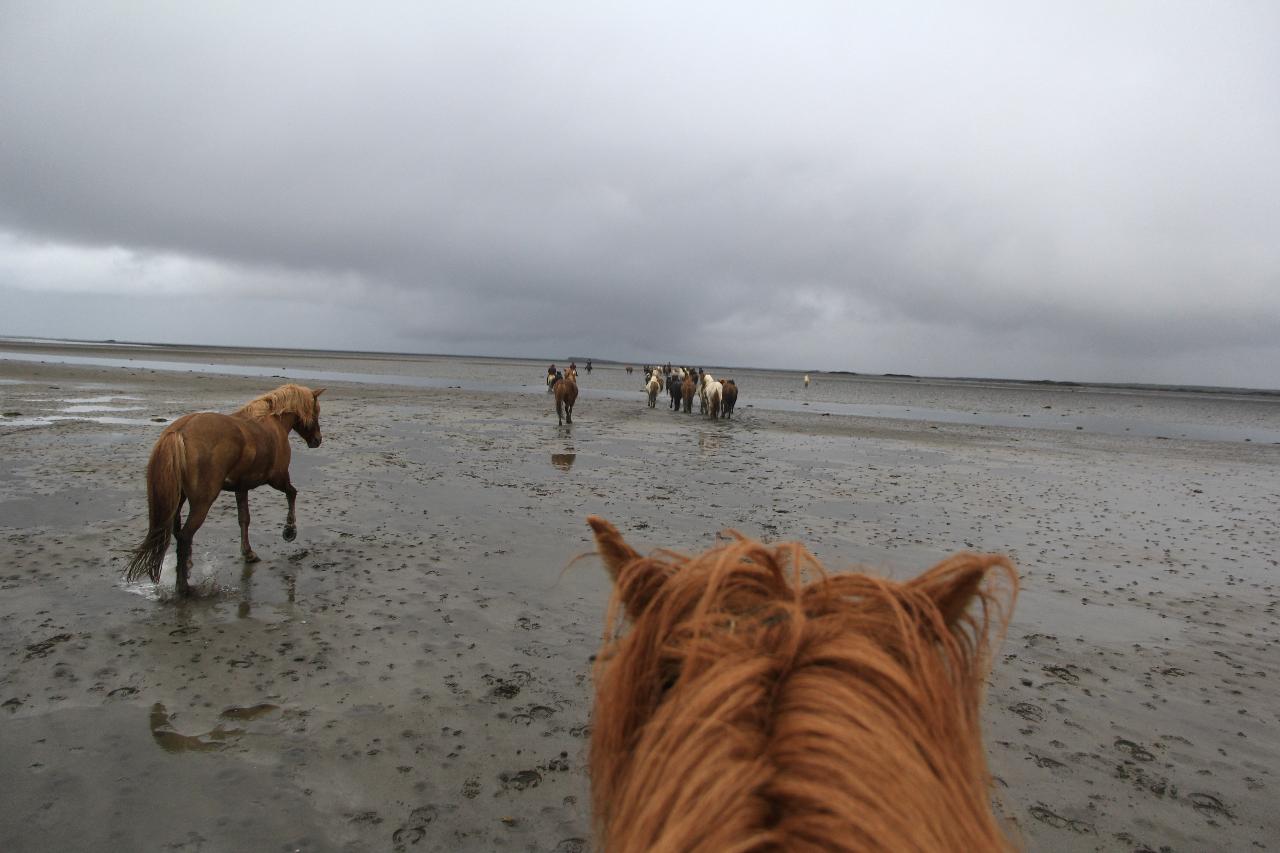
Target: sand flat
<point>413,672</point>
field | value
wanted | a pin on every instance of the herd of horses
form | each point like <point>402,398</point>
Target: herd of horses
<point>745,698</point>
<point>716,398</point>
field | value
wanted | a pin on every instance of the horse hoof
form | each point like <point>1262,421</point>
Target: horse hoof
<point>250,557</point>
<point>290,533</point>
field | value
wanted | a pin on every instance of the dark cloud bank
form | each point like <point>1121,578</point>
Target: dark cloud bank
<point>1080,193</point>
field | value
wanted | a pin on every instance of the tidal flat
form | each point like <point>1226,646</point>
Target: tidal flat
<point>414,671</point>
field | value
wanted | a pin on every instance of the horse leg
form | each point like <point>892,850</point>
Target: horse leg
<point>568,412</point>
<point>291,494</point>
<point>195,518</point>
<point>177,517</point>
<point>242,513</point>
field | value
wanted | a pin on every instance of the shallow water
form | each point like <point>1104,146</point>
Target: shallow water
<point>1196,415</point>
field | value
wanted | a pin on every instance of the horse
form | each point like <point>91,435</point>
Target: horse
<point>758,702</point>
<point>652,387</point>
<point>687,389</point>
<point>712,394</point>
<point>673,391</point>
<point>730,397</point>
<point>200,454</point>
<point>571,373</point>
<point>566,391</point>
<point>703,379</point>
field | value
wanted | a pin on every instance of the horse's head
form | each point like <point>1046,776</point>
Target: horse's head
<point>801,704</point>
<point>307,424</point>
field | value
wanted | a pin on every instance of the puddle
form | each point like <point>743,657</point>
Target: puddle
<point>109,398</point>
<point>49,420</point>
<point>100,407</point>
<point>170,740</point>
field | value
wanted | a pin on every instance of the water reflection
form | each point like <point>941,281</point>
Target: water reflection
<point>563,461</point>
<point>245,607</point>
<point>169,740</point>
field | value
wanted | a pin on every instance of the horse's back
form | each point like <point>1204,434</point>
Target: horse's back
<point>226,449</point>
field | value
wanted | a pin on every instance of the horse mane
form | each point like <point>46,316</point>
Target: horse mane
<point>758,702</point>
<point>295,399</point>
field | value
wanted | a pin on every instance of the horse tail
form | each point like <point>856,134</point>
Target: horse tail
<point>164,494</point>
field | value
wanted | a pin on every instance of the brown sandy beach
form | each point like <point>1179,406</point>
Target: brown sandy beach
<point>413,672</point>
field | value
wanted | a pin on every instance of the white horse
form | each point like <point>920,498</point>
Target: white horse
<point>711,392</point>
<point>652,387</point>
<point>703,387</point>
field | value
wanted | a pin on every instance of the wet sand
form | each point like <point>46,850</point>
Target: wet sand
<point>413,672</point>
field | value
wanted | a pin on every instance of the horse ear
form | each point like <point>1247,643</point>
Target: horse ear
<point>316,393</point>
<point>643,578</point>
<point>955,583</point>
<point>613,550</point>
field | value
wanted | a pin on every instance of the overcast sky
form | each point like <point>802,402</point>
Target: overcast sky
<point>1058,190</point>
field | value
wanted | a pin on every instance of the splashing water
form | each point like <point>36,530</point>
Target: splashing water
<point>203,578</point>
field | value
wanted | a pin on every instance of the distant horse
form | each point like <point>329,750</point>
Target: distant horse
<point>712,395</point>
<point>673,391</point>
<point>730,395</point>
<point>629,369</point>
<point>652,387</point>
<point>759,703</point>
<point>566,391</point>
<point>201,454</point>
<point>687,389</point>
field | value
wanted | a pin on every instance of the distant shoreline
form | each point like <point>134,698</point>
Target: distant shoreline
<point>1185,388</point>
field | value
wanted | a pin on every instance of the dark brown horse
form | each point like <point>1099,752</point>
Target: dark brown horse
<point>687,389</point>
<point>566,391</point>
<point>730,397</point>
<point>759,703</point>
<point>199,455</point>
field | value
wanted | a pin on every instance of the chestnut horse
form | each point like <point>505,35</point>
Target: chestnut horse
<point>566,391</point>
<point>201,454</point>
<point>730,391</point>
<point>687,388</point>
<point>759,703</point>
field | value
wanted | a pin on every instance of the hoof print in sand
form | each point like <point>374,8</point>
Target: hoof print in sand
<point>1062,673</point>
<point>42,648</point>
<point>1043,814</point>
<point>1209,805</point>
<point>415,828</point>
<point>1133,750</point>
<point>521,781</point>
<point>1029,712</point>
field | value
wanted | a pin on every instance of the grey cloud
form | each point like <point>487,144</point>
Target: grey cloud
<point>658,179</point>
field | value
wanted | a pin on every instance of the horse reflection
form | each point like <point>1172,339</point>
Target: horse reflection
<point>563,461</point>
